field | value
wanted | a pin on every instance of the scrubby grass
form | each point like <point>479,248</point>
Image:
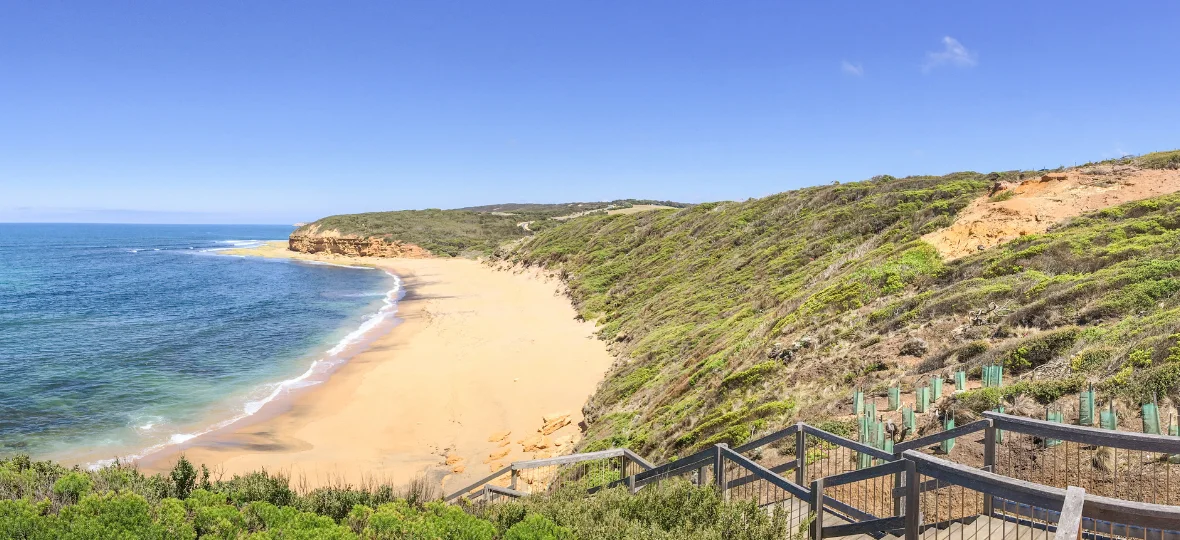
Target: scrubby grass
<point>807,293</point>
<point>671,510</point>
<point>42,500</point>
<point>442,232</point>
<point>1160,160</point>
<point>473,230</point>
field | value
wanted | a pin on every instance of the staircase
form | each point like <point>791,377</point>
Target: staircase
<point>841,488</point>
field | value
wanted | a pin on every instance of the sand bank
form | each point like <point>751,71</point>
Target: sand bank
<point>458,389</point>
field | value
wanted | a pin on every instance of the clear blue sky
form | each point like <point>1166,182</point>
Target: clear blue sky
<point>275,112</point>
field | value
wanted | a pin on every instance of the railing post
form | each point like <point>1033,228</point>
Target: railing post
<point>989,464</point>
<point>817,509</point>
<point>719,469</point>
<point>913,516</point>
<point>1069,523</point>
<point>800,454</point>
<point>512,478</point>
<point>898,483</point>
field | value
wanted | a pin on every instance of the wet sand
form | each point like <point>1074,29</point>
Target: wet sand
<point>481,361</point>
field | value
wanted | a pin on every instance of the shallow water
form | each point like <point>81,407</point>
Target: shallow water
<point>120,338</point>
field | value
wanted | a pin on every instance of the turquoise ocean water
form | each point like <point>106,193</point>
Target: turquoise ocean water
<point>119,339</point>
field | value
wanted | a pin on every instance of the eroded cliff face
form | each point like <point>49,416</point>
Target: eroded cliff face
<point>315,241</point>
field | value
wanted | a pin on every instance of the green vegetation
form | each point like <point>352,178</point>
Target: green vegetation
<point>671,510</point>
<point>442,232</point>
<point>728,305</point>
<point>534,211</point>
<point>476,230</point>
<point>1160,160</point>
<point>1044,392</point>
<point>42,500</point>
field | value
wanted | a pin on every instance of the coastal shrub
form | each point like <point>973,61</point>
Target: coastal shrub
<point>73,486</point>
<point>184,478</point>
<point>537,527</point>
<point>259,486</point>
<point>1038,350</point>
<point>1044,392</point>
<point>1090,359</point>
<point>673,509</point>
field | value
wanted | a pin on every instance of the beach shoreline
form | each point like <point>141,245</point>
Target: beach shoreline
<point>480,361</point>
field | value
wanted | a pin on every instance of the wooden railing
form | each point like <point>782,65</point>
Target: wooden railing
<point>553,473</point>
<point>820,480</point>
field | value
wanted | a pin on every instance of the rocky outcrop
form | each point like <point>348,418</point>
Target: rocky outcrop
<point>314,241</point>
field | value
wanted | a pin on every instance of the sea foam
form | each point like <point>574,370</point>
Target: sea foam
<point>320,366</point>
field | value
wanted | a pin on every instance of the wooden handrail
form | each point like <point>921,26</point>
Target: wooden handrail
<point>985,482</point>
<point>764,473</point>
<point>1129,440</point>
<point>848,443</point>
<point>1149,515</point>
<point>478,484</point>
<point>767,439</point>
<point>965,429</point>
<point>571,458</point>
<point>887,468</point>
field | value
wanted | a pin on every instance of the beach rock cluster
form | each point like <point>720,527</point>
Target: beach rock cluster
<point>353,246</point>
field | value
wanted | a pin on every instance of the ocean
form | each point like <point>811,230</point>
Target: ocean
<point>117,340</point>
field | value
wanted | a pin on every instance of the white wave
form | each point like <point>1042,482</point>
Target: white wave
<point>322,263</point>
<point>387,311</point>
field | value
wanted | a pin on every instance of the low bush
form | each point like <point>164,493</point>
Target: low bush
<point>674,509</point>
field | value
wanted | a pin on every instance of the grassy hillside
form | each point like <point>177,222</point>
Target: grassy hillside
<point>538,211</point>
<point>476,230</point>
<point>733,318</point>
<point>443,232</point>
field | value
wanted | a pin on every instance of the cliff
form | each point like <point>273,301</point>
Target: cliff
<point>315,242</point>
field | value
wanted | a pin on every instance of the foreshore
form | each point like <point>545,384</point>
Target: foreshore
<point>482,360</point>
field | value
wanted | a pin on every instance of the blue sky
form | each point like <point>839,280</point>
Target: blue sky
<point>275,112</point>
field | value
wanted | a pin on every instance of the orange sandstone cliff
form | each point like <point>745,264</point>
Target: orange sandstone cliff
<point>314,240</point>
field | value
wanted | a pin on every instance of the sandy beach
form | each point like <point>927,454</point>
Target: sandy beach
<point>487,367</point>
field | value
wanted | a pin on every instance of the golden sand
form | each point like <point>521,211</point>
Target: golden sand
<point>483,361</point>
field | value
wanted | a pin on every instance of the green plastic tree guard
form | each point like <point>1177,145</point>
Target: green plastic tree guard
<point>1054,416</point>
<point>1108,418</point>
<point>960,381</point>
<point>935,388</point>
<point>871,409</point>
<point>923,401</point>
<point>1086,408</point>
<point>989,376</point>
<point>866,438</point>
<point>894,398</point>
<point>858,402</point>
<point>1000,432</point>
<point>880,442</point>
<point>948,444</point>
<point>908,420</point>
<point>1174,458</point>
<point>1151,418</point>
